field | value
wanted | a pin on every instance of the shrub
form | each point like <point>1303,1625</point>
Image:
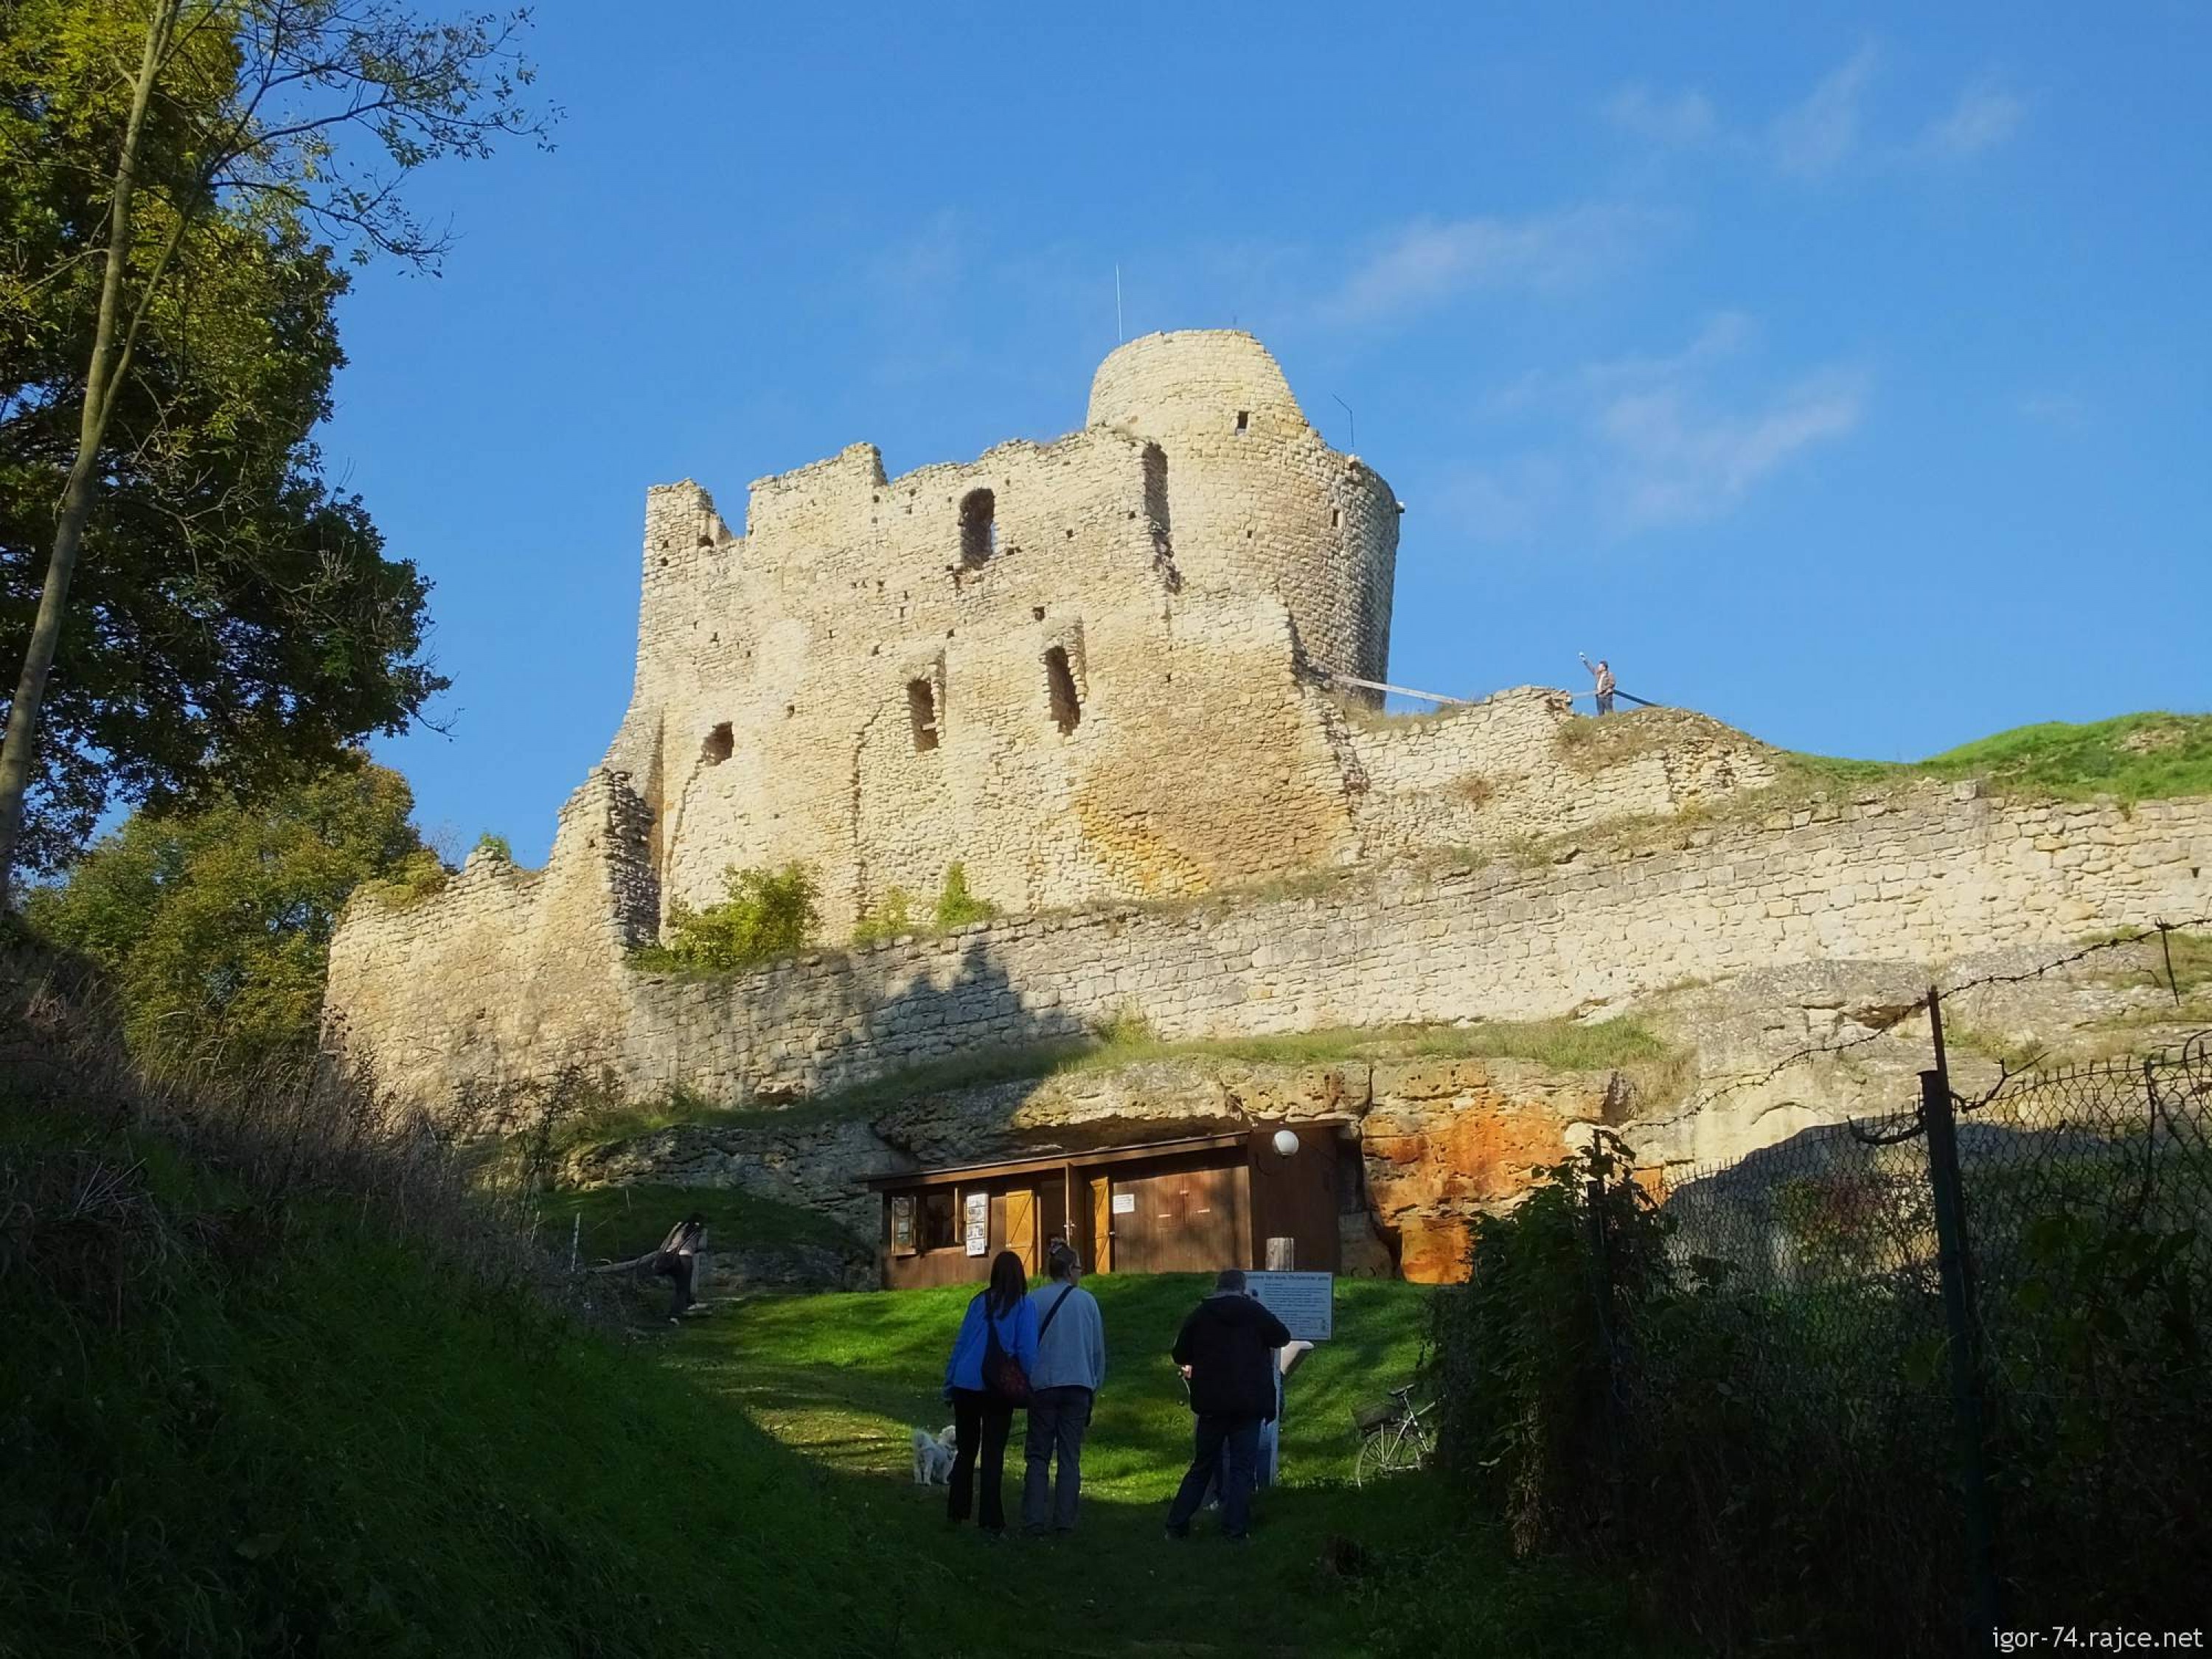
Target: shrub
<point>955,906</point>
<point>887,918</point>
<point>767,915</point>
<point>496,845</point>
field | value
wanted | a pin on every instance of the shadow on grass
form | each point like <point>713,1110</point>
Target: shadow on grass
<point>844,1380</point>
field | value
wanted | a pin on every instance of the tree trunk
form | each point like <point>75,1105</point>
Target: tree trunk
<point>110,358</point>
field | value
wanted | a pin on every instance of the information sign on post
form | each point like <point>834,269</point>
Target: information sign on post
<point>1305,1303</point>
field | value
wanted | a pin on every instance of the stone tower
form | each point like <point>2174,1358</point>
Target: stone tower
<point>1079,669</point>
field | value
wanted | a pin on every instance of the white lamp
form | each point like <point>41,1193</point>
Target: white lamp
<point>1285,1142</point>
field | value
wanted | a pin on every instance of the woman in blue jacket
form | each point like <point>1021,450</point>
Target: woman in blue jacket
<point>984,1416</point>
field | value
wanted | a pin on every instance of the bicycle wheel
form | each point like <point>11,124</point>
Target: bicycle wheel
<point>1369,1464</point>
<point>1389,1450</point>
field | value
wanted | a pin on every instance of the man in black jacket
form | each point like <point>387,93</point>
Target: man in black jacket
<point>1225,1349</point>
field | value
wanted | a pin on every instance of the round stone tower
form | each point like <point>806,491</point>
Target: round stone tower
<point>1256,500</point>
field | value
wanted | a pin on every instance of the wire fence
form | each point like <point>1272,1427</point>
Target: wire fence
<point>1942,1371</point>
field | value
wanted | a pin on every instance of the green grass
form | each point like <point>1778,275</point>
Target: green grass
<point>343,1452</point>
<point>2148,757</point>
<point>622,1222</point>
<point>846,1379</point>
<point>2134,756</point>
<point>327,1445</point>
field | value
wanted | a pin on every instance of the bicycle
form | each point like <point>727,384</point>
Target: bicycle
<point>1393,1439</point>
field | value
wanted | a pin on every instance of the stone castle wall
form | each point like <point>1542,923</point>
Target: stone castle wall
<point>1521,764</point>
<point>1032,664</point>
<point>1921,878</point>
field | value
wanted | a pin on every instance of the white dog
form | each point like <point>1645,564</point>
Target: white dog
<point>933,1456</point>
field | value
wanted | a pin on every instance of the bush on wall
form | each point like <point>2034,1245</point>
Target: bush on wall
<point>767,915</point>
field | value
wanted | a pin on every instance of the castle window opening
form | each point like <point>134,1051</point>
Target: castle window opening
<point>1336,517</point>
<point>1060,681</point>
<point>719,744</point>
<point>979,526</point>
<point>1244,420</point>
<point>921,711</point>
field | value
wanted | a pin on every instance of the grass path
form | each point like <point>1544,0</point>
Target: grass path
<point>1332,1569</point>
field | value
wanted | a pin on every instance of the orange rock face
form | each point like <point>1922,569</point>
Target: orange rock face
<point>1445,1144</point>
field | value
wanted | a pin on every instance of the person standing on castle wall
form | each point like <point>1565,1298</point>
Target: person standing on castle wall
<point>987,1376</point>
<point>678,1259</point>
<point>1601,671</point>
<point>1071,1364</point>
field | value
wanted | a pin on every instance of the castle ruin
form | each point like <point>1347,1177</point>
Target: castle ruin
<point>1115,668</point>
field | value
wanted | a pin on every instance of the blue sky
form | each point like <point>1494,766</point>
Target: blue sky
<point>1844,372</point>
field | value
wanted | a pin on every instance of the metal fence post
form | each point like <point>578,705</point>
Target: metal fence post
<point>1985,1601</point>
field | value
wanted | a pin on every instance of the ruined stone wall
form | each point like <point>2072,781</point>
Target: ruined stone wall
<point>862,683</point>
<point>1521,763</point>
<point>1920,880</point>
<point>504,974</point>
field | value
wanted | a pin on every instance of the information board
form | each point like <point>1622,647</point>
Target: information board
<point>1306,1303</point>
<point>979,1224</point>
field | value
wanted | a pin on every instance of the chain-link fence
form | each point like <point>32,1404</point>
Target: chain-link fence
<point>1934,1372</point>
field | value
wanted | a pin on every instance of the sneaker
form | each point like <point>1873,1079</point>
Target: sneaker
<point>1182,1531</point>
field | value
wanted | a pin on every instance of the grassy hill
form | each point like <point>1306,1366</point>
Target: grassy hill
<point>307,1439</point>
<point>2147,756</point>
<point>239,1420</point>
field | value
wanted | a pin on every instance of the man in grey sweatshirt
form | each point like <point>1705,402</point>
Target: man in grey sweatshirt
<point>1071,1364</point>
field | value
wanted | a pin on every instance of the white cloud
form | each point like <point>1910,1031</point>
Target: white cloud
<point>1676,460</point>
<point>1818,135</point>
<point>1985,117</point>
<point>1644,441</point>
<point>1432,260</point>
<point>1685,118</point>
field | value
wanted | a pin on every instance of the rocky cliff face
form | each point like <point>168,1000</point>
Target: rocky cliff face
<point>1443,1141</point>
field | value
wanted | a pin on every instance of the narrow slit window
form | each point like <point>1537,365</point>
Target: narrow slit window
<point>1244,420</point>
<point>921,711</point>
<point>719,744</point>
<point>1060,683</point>
<point>979,527</point>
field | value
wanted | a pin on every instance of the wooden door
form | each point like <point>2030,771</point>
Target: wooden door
<point>1014,1214</point>
<point>1185,1221</point>
<point>1102,1225</point>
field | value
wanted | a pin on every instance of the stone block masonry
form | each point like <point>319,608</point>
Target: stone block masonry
<point>1088,671</point>
<point>1924,876</point>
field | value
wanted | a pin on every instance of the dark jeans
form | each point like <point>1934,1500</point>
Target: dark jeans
<point>982,1423</point>
<point>1233,1444</point>
<point>1605,702</point>
<point>672,1265</point>
<point>1058,1418</point>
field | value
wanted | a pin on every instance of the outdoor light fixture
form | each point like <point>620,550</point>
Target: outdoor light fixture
<point>1285,1142</point>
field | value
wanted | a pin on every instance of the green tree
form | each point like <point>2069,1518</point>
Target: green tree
<point>213,925</point>
<point>195,608</point>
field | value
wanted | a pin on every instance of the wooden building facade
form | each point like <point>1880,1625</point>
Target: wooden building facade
<point>1193,1203</point>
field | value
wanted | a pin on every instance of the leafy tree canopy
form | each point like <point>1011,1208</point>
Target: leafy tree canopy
<point>213,925</point>
<point>232,616</point>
